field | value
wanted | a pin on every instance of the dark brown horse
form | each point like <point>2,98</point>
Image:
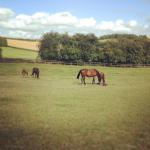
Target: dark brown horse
<point>24,72</point>
<point>91,73</point>
<point>35,72</point>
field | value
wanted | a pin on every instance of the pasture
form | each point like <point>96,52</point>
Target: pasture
<point>56,112</point>
<point>10,52</point>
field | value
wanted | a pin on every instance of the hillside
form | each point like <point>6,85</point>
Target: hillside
<point>25,44</point>
<point>9,52</point>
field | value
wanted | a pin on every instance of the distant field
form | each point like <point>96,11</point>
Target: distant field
<point>26,44</point>
<point>56,112</point>
<point>9,52</point>
<point>108,40</point>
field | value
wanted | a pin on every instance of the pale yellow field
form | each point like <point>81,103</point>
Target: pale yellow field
<point>32,45</point>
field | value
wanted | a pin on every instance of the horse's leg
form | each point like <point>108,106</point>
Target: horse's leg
<point>99,79</point>
<point>104,80</point>
<point>81,80</point>
<point>93,80</point>
<point>37,74</point>
<point>84,80</point>
<point>32,74</point>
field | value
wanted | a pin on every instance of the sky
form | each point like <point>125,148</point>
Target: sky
<point>31,19</point>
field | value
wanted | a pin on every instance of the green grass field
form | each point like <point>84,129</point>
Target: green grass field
<point>56,112</point>
<point>9,52</point>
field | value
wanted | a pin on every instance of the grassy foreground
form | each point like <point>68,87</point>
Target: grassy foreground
<point>9,52</point>
<point>56,112</point>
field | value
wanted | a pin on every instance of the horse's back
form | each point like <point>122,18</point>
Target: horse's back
<point>35,68</point>
<point>89,72</point>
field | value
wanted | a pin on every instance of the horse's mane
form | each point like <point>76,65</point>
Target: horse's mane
<point>98,73</point>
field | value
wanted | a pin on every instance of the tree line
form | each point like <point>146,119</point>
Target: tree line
<point>79,48</point>
<point>3,42</point>
<point>108,49</point>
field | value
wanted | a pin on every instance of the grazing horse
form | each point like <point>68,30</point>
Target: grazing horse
<point>91,73</point>
<point>35,72</point>
<point>24,72</point>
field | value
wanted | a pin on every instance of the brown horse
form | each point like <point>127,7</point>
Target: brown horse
<point>35,72</point>
<point>24,72</point>
<point>91,73</point>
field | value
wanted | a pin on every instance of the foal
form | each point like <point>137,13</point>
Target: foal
<point>24,72</point>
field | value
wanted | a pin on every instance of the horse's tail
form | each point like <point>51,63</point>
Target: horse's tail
<point>79,74</point>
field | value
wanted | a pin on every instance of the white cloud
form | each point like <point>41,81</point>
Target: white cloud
<point>117,26</point>
<point>86,22</point>
<point>105,25</point>
<point>64,18</point>
<point>19,34</point>
<point>33,26</point>
<point>6,14</point>
<point>132,23</point>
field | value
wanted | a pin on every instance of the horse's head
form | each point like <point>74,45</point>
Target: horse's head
<point>101,76</point>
